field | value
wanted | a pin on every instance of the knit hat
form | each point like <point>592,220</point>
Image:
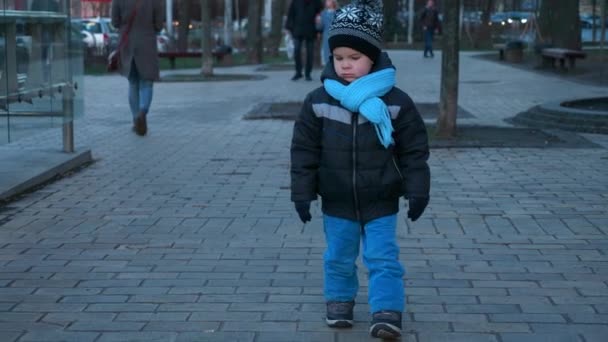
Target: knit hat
<point>359,26</point>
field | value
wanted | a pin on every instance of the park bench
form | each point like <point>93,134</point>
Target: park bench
<point>551,55</point>
<point>219,52</point>
<point>511,51</point>
<point>501,50</point>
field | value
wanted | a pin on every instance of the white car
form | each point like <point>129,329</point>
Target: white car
<point>163,41</point>
<point>100,36</point>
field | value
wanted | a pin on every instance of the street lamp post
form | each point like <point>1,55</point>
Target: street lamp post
<point>169,18</point>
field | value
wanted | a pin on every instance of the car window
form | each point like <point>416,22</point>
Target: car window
<point>91,27</point>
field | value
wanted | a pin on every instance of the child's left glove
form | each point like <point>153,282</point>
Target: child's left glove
<point>303,209</point>
<point>416,207</point>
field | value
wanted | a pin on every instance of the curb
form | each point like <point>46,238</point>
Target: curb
<point>28,182</point>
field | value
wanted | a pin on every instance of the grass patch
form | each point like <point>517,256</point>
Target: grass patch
<point>212,78</point>
<point>98,66</point>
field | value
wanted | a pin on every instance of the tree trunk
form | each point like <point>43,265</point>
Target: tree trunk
<point>593,13</point>
<point>603,26</point>
<point>410,22</point>
<point>391,24</point>
<point>276,27</point>
<point>206,46</point>
<point>560,25</point>
<point>254,32</point>
<point>228,27</point>
<point>446,122</point>
<point>183,17</point>
<point>484,31</point>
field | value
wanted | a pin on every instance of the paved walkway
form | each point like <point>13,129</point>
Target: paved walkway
<point>188,234</point>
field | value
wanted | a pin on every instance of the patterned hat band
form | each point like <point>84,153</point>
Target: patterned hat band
<point>356,33</point>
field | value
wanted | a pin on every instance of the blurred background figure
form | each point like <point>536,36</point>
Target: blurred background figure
<point>301,25</point>
<point>140,21</point>
<point>430,25</point>
<point>323,23</point>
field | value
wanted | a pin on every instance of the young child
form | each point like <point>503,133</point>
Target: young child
<point>360,144</point>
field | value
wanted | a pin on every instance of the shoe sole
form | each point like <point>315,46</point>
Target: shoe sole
<point>339,323</point>
<point>385,331</point>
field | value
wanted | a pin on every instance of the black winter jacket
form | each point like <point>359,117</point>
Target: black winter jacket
<point>337,155</point>
<point>301,18</point>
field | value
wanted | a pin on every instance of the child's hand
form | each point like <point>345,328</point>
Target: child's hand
<point>303,209</point>
<point>416,207</point>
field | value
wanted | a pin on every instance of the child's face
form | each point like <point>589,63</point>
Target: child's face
<point>351,64</point>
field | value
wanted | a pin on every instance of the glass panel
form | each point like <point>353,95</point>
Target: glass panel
<point>42,67</point>
<point>76,52</point>
<point>4,119</point>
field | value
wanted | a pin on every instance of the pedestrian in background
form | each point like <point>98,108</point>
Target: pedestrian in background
<point>301,25</point>
<point>139,21</point>
<point>360,143</point>
<point>430,25</point>
<point>324,22</point>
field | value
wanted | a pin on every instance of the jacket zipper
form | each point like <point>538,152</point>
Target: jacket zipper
<point>397,168</point>
<point>356,197</point>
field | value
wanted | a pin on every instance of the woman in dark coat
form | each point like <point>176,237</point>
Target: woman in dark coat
<point>139,56</point>
<point>301,25</point>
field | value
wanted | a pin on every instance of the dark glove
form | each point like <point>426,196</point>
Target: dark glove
<point>416,207</point>
<point>303,209</point>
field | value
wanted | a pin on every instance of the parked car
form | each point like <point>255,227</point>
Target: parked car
<point>163,41</point>
<point>508,18</point>
<point>589,21</point>
<point>102,37</point>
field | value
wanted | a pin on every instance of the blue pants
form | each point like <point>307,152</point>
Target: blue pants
<point>428,41</point>
<point>380,256</point>
<point>140,92</point>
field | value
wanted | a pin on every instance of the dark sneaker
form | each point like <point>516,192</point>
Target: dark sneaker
<point>296,77</point>
<point>308,78</point>
<point>340,314</point>
<point>386,324</point>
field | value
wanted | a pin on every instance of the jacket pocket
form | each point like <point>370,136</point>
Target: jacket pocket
<point>391,181</point>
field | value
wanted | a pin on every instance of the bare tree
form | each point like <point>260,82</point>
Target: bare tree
<point>183,17</point>
<point>560,25</point>
<point>391,24</point>
<point>484,32</point>
<point>593,12</point>
<point>276,26</point>
<point>410,22</point>
<point>448,105</point>
<point>603,37</point>
<point>207,56</point>
<point>254,32</point>
<point>603,23</point>
<point>228,22</point>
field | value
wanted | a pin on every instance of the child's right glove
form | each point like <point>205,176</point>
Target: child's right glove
<point>303,209</point>
<point>416,207</point>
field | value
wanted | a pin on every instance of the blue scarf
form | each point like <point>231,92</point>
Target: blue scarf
<point>363,96</point>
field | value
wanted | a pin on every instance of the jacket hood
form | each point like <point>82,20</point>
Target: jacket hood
<point>383,62</point>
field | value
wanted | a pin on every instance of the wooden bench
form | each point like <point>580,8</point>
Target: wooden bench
<point>550,55</point>
<point>219,52</point>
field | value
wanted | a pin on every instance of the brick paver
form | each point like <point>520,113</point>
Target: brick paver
<point>189,235</point>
